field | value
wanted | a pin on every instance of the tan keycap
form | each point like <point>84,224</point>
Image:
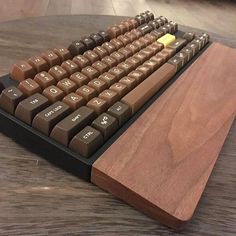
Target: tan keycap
<point>67,85</point>
<point>98,105</point>
<point>22,70</point>
<point>74,100</point>
<point>110,96</point>
<point>44,79</point>
<point>29,87</point>
<point>86,92</point>
<point>38,63</point>
<point>53,93</point>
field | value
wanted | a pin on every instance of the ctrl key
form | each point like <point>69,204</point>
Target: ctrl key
<point>87,141</point>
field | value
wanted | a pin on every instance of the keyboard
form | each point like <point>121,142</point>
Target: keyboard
<point>72,103</point>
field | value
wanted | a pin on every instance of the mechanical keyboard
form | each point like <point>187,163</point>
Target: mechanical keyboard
<point>71,104</point>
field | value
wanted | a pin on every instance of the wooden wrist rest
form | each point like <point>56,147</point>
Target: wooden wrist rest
<point>161,164</point>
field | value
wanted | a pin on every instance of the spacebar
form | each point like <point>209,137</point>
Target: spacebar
<point>136,98</point>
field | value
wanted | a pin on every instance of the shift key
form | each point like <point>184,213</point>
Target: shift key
<point>48,118</point>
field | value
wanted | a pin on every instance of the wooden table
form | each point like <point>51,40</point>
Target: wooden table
<point>37,198</point>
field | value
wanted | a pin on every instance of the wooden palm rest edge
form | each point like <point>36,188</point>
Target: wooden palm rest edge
<point>161,164</point>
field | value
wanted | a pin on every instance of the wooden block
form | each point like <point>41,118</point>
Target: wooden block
<point>161,164</point>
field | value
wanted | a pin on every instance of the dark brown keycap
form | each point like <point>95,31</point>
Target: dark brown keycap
<point>21,71</point>
<point>86,142</point>
<point>45,120</point>
<point>90,72</point>
<point>98,39</point>
<point>113,31</point>
<point>38,63</point>
<point>119,57</point>
<point>136,98</point>
<point>64,131</point>
<point>117,43</point>
<point>110,61</point>
<point>63,53</point>
<point>91,56</point>
<point>183,56</point>
<point>29,107</point>
<point>109,47</point>
<point>70,66</point>
<point>101,52</point>
<point>154,24</point>
<point>88,42</point>
<point>106,124</point>
<point>176,61</point>
<point>129,82</point>
<point>137,75</point>
<point>51,58</point>
<point>100,66</point>
<point>53,93</point>
<point>117,72</point>
<point>105,35</point>
<point>9,99</point>
<point>126,52</point>
<point>124,39</point>
<point>81,61</point>
<point>79,78</point>
<point>44,79</point>
<point>86,92</point>
<point>178,44</point>
<point>98,84</point>
<point>126,66</point>
<point>77,47</point>
<point>58,73</point>
<point>145,28</point>
<point>98,105</point>
<point>189,36</point>
<point>157,33</point>
<point>110,96</point>
<point>140,19</point>
<point>120,111</point>
<point>74,100</point>
<point>108,78</point>
<point>29,87</point>
<point>193,47</point>
<point>67,85</point>
<point>150,14</point>
<point>188,52</point>
<point>120,88</point>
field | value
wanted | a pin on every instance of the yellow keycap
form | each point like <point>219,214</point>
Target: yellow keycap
<point>166,39</point>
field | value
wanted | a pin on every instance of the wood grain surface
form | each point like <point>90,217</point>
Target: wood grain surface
<point>37,198</point>
<point>162,162</point>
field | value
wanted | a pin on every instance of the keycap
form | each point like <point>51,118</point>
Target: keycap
<point>88,42</point>
<point>1,86</point>
<point>109,96</point>
<point>38,63</point>
<point>74,100</point>
<point>97,38</point>
<point>67,86</point>
<point>29,107</point>
<point>62,53</point>
<point>86,92</point>
<point>70,66</point>
<point>64,131</point>
<point>58,73</point>
<point>29,87</point>
<point>106,124</point>
<point>104,35</point>
<point>53,93</point>
<point>44,79</point>
<point>98,105</point>
<point>9,99</point>
<point>51,58</point>
<point>144,29</point>
<point>178,44</point>
<point>120,111</point>
<point>81,61</point>
<point>21,71</point>
<point>91,56</point>
<point>87,141</point>
<point>90,72</point>
<point>45,120</point>
<point>76,47</point>
<point>166,39</point>
<point>79,78</point>
<point>136,98</point>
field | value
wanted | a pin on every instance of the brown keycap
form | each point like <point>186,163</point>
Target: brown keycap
<point>137,32</point>
<point>44,79</point>
<point>81,61</point>
<point>119,57</point>
<point>91,56</point>
<point>144,91</point>
<point>100,66</point>
<point>98,105</point>
<point>153,47</point>
<point>38,63</point>
<point>129,82</point>
<point>122,28</point>
<point>117,43</point>
<point>110,61</point>
<point>169,51</point>
<point>125,40</point>
<point>90,72</point>
<point>120,111</point>
<point>1,86</point>
<point>126,52</point>
<point>140,56</point>
<point>62,53</point>
<point>86,142</point>
<point>126,66</point>
<point>152,64</point>
<point>158,59</point>
<point>145,41</point>
<point>120,88</point>
<point>108,78</point>
<point>102,52</point>
<point>51,58</point>
<point>64,131</point>
<point>53,93</point>
<point>109,47</point>
<point>70,66</point>
<point>178,44</point>
<point>29,87</point>
<point>110,96</point>
<point>132,48</point>
<point>117,72</point>
<point>159,45</point>
<point>74,100</point>
<point>86,92</point>
<point>129,26</point>
<point>79,78</point>
<point>145,69</point>
<point>29,107</point>
<point>138,43</point>
<point>137,75</point>
<point>113,31</point>
<point>131,36</point>
<point>134,61</point>
<point>149,52</point>
<point>98,84</point>
<point>164,54</point>
<point>45,120</point>
<point>134,22</point>
<point>58,73</point>
<point>106,124</point>
<point>151,38</point>
<point>9,99</point>
<point>67,85</point>
<point>21,71</point>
